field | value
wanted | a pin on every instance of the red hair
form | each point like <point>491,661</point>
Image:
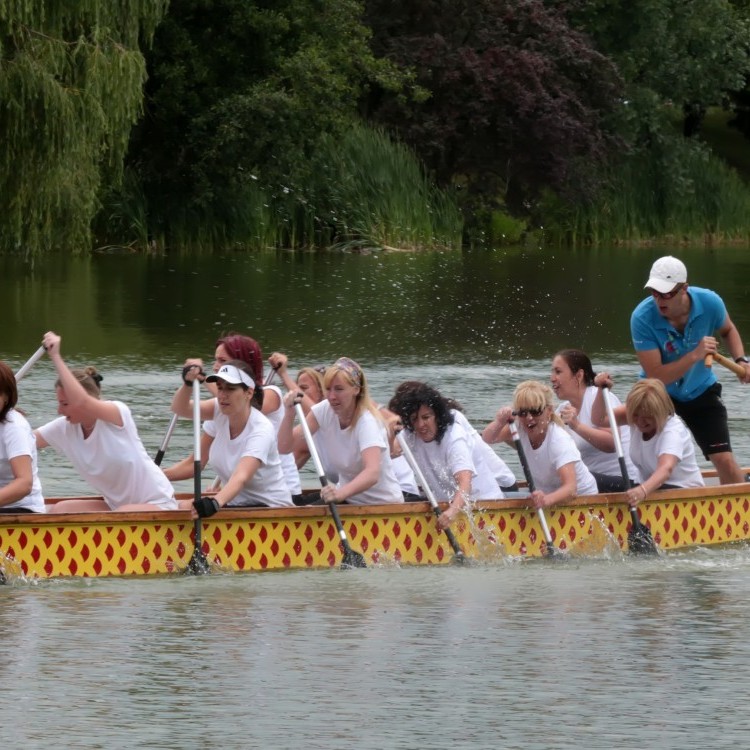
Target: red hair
<point>245,349</point>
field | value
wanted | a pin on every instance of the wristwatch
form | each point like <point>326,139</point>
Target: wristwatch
<point>743,359</point>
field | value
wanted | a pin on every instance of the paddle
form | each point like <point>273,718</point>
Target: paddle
<point>551,549</point>
<point>459,558</point>
<point>271,375</point>
<point>198,564</point>
<point>33,359</point>
<point>165,442</point>
<point>736,368</point>
<point>640,540</point>
<point>351,558</point>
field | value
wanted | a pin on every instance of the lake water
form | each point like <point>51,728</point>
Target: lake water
<point>587,654</point>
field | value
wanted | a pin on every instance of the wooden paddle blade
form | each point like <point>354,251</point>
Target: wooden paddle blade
<point>641,542</point>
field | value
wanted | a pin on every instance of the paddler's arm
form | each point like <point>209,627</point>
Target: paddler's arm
<point>185,469</point>
<point>664,467</point>
<point>243,473</point>
<point>458,501</point>
<point>498,430</point>
<point>22,482</point>
<point>182,401</point>
<point>368,477</point>
<point>670,372</point>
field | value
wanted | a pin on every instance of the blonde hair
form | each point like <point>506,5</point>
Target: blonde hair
<point>352,373</point>
<point>649,398</point>
<point>89,378</point>
<point>531,394</point>
<point>315,376</point>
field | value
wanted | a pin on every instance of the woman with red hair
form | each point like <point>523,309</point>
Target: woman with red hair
<point>268,399</point>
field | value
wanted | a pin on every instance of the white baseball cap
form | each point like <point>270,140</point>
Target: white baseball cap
<point>232,375</point>
<point>666,274</point>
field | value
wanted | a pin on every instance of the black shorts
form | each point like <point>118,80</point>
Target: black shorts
<point>706,417</point>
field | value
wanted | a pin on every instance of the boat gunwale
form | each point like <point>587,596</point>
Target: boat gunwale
<point>228,515</point>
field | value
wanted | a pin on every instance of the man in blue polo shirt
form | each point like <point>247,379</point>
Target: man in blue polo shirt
<point>673,330</point>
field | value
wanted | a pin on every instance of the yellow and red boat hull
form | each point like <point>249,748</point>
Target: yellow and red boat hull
<point>161,542</point>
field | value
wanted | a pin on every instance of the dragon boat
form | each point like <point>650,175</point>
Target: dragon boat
<point>162,542</point>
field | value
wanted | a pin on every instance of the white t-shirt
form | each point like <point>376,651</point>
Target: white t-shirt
<point>17,439</point>
<point>112,460</point>
<point>288,465</point>
<point>557,450</point>
<point>344,453</point>
<point>595,459</point>
<point>675,440</point>
<point>457,451</point>
<point>404,475</point>
<point>258,440</point>
<point>504,477</point>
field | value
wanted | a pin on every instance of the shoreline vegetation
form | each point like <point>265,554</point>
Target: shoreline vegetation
<point>197,125</point>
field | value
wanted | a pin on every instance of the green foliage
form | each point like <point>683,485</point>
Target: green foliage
<point>360,189</point>
<point>373,192</point>
<point>505,229</point>
<point>674,188</point>
<point>682,50</point>
<point>71,77</point>
<point>245,88</point>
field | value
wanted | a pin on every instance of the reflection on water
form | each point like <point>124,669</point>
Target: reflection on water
<point>585,654</point>
<point>601,653</point>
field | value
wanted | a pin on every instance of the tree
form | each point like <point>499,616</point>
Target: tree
<point>688,53</point>
<point>518,100</point>
<point>71,78</point>
<point>239,92</point>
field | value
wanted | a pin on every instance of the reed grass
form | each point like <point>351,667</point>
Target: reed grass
<point>677,190</point>
<point>360,189</point>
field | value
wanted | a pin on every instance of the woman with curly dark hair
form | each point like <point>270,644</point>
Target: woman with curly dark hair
<point>451,460</point>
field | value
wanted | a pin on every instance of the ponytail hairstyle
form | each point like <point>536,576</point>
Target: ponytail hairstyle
<point>577,360</point>
<point>89,378</point>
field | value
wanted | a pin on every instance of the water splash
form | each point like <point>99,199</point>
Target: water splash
<point>597,543</point>
<point>11,572</point>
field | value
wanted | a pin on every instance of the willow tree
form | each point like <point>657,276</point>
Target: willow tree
<point>71,82</point>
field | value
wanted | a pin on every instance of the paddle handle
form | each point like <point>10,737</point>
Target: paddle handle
<point>735,367</point>
<point>271,375</point>
<point>607,395</point>
<point>322,477</point>
<point>197,467</point>
<point>33,359</point>
<point>530,481</point>
<point>422,481</point>
<point>159,457</point>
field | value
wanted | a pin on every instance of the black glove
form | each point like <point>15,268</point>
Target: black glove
<point>206,506</point>
<point>186,369</point>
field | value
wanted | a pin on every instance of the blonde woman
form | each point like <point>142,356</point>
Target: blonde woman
<point>554,460</point>
<point>351,430</point>
<point>661,446</point>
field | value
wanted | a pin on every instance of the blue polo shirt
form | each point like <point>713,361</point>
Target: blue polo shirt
<point>650,330</point>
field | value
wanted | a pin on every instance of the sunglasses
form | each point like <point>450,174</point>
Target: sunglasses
<point>529,412</point>
<point>666,295</point>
